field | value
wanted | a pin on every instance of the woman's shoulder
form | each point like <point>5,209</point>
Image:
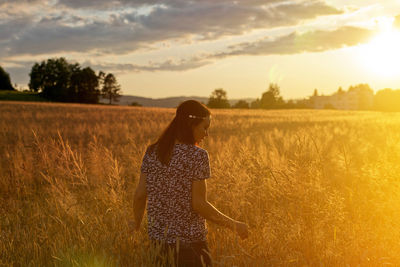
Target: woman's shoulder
<point>200,150</point>
<point>194,150</point>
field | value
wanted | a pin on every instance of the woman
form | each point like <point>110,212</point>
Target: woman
<point>172,179</point>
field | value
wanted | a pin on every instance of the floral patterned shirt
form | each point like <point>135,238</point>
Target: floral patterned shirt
<point>169,189</point>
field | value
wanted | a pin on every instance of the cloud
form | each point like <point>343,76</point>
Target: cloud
<point>307,9</point>
<point>106,4</point>
<point>51,36</point>
<point>84,26</point>
<point>168,65</point>
<point>213,19</point>
<point>294,43</point>
<point>19,70</point>
<point>104,27</point>
<point>12,28</point>
<point>7,2</point>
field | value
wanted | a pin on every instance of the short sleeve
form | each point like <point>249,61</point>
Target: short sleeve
<point>202,166</point>
<point>145,162</point>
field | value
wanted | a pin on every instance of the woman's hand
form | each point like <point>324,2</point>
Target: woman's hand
<point>139,202</point>
<point>242,229</point>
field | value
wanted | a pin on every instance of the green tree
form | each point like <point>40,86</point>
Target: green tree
<point>290,104</point>
<point>218,99</point>
<point>36,75</point>
<point>5,81</point>
<point>110,87</point>
<point>52,79</point>
<point>241,104</point>
<point>84,86</point>
<point>255,104</point>
<point>364,94</point>
<point>271,99</point>
<point>57,80</point>
<point>387,100</point>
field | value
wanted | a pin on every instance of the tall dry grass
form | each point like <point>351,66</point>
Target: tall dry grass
<point>318,188</point>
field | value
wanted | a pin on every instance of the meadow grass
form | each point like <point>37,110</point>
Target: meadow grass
<point>9,95</point>
<point>318,188</point>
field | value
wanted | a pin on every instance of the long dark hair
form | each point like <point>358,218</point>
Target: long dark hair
<point>188,114</point>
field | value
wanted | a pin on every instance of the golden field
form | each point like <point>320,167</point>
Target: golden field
<point>317,188</point>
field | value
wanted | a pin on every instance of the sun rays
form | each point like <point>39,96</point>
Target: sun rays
<point>381,55</point>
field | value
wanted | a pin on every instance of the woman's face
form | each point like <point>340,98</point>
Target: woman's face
<point>200,131</point>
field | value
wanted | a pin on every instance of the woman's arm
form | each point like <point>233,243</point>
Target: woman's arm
<point>209,212</point>
<point>139,201</point>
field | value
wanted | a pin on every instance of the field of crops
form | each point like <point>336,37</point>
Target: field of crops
<point>317,188</point>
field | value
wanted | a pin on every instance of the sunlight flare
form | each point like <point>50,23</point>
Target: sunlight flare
<point>382,54</point>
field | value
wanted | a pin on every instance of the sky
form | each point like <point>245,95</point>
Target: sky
<point>164,48</point>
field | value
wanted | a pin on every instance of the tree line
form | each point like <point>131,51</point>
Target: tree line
<point>270,99</point>
<point>58,80</point>
<point>384,100</point>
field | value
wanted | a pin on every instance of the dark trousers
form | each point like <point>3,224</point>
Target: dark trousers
<point>196,254</point>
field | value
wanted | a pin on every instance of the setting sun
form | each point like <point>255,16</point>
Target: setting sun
<point>382,54</point>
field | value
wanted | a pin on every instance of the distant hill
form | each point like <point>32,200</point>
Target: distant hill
<point>125,100</point>
<point>168,102</point>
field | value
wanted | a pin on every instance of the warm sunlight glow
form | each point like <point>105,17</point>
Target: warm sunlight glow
<point>382,54</point>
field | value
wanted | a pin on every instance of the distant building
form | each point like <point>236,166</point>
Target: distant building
<point>356,98</point>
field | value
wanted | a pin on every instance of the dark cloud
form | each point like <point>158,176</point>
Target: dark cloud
<point>126,30</point>
<point>20,69</point>
<point>294,43</point>
<point>103,4</point>
<point>213,19</point>
<point>106,4</point>
<point>312,41</point>
<point>51,36</point>
<point>11,29</point>
<point>118,27</point>
<point>168,65</point>
<point>5,2</point>
<point>306,10</point>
